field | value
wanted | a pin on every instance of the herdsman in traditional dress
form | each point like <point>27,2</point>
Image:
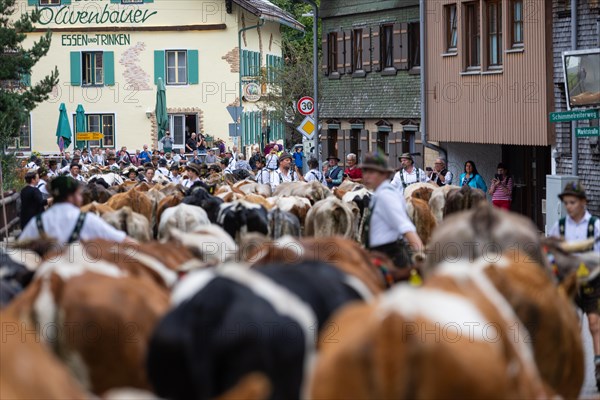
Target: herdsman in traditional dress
<point>409,174</point>
<point>286,172</point>
<point>577,226</point>
<point>390,230</point>
<point>65,222</point>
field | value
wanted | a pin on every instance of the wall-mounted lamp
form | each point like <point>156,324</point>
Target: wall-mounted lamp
<point>148,113</point>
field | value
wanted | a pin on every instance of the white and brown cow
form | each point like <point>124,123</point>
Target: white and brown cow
<point>330,217</point>
<point>183,217</point>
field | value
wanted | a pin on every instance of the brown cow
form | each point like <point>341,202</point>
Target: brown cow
<point>345,254</point>
<point>314,191</point>
<point>330,217</point>
<point>137,200</point>
<point>456,337</point>
<point>28,369</point>
<point>419,213</point>
<point>544,309</point>
<point>96,208</point>
<point>133,224</point>
<point>299,206</point>
<point>119,291</point>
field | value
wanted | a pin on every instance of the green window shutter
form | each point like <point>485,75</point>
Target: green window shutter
<point>32,2</point>
<point>159,65</point>
<point>109,68</point>
<point>75,68</point>
<point>65,2</point>
<point>244,62</point>
<point>192,67</point>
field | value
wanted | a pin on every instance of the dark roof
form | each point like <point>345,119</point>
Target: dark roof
<point>364,98</point>
<point>269,12</point>
<point>337,8</point>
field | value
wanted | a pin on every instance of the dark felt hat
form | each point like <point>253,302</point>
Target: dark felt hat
<point>333,157</point>
<point>376,162</point>
<point>284,156</point>
<point>408,156</point>
<point>194,168</point>
<point>573,189</point>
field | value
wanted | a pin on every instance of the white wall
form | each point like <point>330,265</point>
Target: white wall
<point>485,156</point>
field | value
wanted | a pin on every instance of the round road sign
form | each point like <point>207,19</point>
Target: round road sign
<point>306,105</point>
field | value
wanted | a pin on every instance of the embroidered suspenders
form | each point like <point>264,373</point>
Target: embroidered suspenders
<point>74,235</point>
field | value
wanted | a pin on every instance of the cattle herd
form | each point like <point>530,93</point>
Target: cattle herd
<point>234,292</point>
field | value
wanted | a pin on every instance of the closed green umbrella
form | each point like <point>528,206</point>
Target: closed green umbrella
<point>162,118</point>
<point>80,124</point>
<point>63,130</point>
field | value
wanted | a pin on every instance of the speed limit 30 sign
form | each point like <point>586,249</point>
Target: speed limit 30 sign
<point>306,105</point>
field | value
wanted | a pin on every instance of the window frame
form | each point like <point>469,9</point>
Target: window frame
<point>513,23</point>
<point>17,140</point>
<point>176,67</point>
<point>383,141</point>
<point>494,30</point>
<point>100,143</point>
<point>357,50</point>
<point>332,54</point>
<point>413,31</point>
<point>92,73</point>
<point>386,52</point>
<point>451,28</point>
<point>472,20</point>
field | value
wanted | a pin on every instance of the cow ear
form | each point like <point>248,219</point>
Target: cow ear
<point>569,286</point>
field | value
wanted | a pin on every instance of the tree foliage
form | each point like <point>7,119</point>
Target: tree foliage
<point>16,62</point>
<point>295,79</point>
<point>17,99</point>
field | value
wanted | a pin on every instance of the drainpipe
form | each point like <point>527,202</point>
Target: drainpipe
<point>574,142</point>
<point>261,23</point>
<point>422,33</point>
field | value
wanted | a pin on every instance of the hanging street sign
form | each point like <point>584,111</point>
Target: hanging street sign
<point>574,115</point>
<point>587,132</point>
<point>235,112</point>
<point>234,130</point>
<point>307,128</point>
<point>82,136</point>
<point>306,105</point>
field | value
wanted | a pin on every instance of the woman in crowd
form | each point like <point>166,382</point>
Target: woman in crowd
<point>472,178</point>
<point>501,188</point>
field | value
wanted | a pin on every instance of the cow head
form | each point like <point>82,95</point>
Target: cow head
<point>461,199</point>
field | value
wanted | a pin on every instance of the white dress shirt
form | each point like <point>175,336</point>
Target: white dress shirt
<point>278,177</point>
<point>263,176</point>
<point>77,178</point>
<point>389,220</point>
<point>59,222</point>
<point>43,188</point>
<point>417,175</point>
<point>315,175</point>
<point>578,231</point>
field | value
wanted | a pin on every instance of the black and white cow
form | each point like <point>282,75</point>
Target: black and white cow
<point>14,277</point>
<point>241,217</point>
<point>197,195</point>
<point>231,321</point>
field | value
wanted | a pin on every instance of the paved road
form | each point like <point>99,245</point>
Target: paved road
<point>589,387</point>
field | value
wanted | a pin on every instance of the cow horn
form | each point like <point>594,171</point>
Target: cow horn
<point>577,247</point>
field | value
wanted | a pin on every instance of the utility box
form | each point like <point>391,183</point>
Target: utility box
<point>554,207</point>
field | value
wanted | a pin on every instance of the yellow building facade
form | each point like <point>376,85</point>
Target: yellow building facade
<point>111,53</point>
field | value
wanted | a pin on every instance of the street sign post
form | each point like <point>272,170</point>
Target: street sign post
<point>306,105</point>
<point>83,136</point>
<point>574,115</point>
<point>588,132</point>
<point>307,128</point>
<point>234,130</point>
